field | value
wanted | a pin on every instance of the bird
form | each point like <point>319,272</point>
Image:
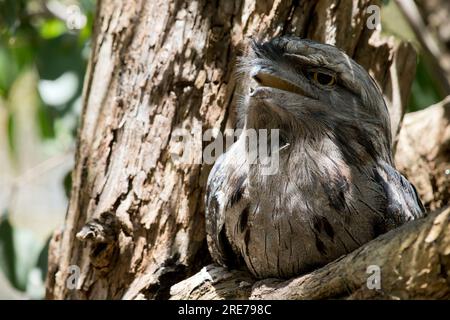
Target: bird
<point>336,186</point>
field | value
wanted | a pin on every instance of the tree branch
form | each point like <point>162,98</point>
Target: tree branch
<point>425,158</point>
<point>432,50</point>
<point>414,262</point>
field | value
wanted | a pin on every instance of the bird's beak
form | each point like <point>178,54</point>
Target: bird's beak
<point>266,80</point>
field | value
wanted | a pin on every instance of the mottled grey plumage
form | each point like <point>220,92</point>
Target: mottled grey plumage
<point>336,188</point>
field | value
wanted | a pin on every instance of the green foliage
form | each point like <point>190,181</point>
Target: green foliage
<point>68,184</point>
<point>423,92</point>
<point>9,69</point>
<point>52,28</point>
<point>20,252</point>
<point>42,261</point>
<point>27,250</point>
<point>35,40</point>
<point>7,252</point>
<point>10,132</point>
<point>46,117</point>
<point>11,12</point>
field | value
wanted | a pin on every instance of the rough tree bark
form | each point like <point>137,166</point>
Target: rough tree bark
<point>135,222</point>
<point>425,158</point>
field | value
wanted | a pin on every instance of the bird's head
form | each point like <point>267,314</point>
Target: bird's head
<point>310,90</point>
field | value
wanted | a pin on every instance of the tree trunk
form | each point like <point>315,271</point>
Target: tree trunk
<point>135,222</point>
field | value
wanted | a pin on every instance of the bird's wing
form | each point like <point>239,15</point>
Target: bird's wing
<point>219,197</point>
<point>402,201</point>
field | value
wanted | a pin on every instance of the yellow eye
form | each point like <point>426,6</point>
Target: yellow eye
<point>324,79</point>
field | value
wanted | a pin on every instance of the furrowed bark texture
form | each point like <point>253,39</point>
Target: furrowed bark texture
<point>414,263</point>
<point>135,222</point>
<point>423,153</point>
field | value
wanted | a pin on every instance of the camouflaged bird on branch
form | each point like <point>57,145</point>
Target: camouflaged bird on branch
<point>336,187</point>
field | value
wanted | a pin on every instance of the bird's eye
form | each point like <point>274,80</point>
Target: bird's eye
<point>324,79</point>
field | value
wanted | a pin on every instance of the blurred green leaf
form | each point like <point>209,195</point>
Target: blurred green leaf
<point>36,275</point>
<point>33,40</point>
<point>18,253</point>
<point>64,54</point>
<point>7,252</point>
<point>27,250</point>
<point>9,71</point>
<point>88,6</point>
<point>46,121</point>
<point>15,56</point>
<point>42,262</point>
<point>68,183</point>
<point>423,92</point>
<point>22,256</point>
<point>10,13</point>
<point>52,28</point>
<point>23,51</point>
<point>11,131</point>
